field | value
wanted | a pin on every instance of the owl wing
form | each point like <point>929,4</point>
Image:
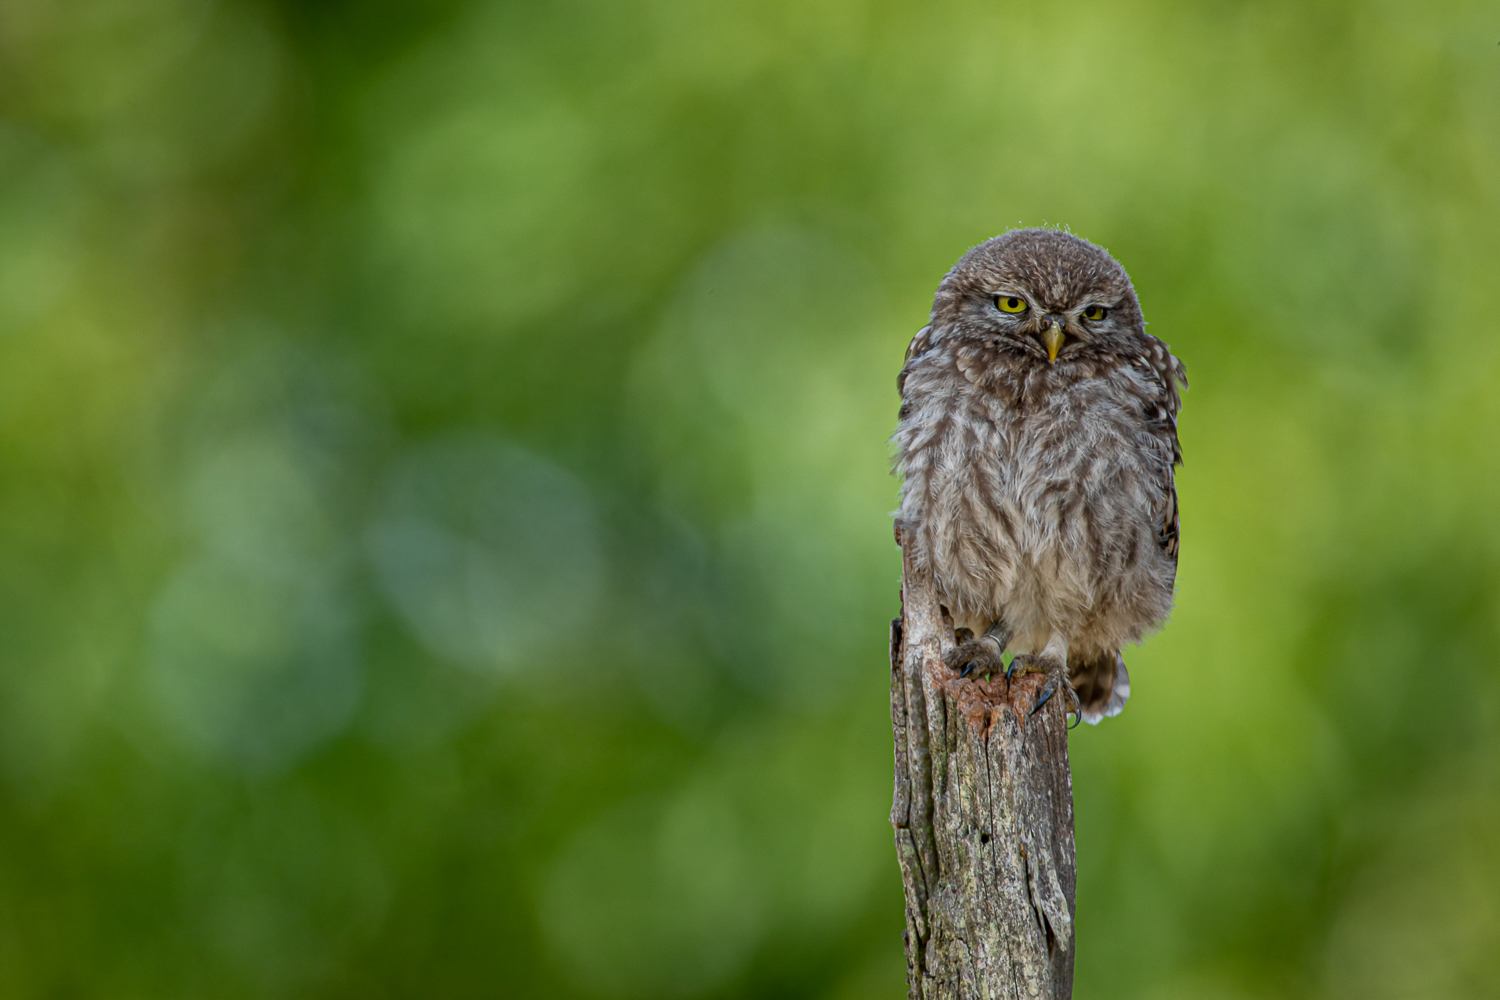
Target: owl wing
<point>1166,532</point>
<point>920,345</point>
<point>1163,374</point>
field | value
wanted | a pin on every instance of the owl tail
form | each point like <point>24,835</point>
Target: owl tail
<point>1102,684</point>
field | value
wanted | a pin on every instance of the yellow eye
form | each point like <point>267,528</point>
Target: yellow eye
<point>1094,312</point>
<point>1011,303</point>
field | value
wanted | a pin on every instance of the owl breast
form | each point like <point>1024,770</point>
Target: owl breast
<point>1037,496</point>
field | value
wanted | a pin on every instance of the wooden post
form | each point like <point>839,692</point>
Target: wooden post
<point>983,813</point>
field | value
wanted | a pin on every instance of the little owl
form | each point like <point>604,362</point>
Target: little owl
<point>1036,443</point>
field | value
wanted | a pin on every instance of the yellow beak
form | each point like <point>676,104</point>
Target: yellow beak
<point>1052,339</point>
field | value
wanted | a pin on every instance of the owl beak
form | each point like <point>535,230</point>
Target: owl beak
<point>1052,340</point>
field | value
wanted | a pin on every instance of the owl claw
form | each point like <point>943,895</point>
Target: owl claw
<point>1019,663</point>
<point>1055,680</point>
<point>1045,695</point>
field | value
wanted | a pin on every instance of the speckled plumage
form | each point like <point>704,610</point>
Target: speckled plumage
<point>1039,493</point>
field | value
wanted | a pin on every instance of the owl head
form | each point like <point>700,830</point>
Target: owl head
<point>1040,293</point>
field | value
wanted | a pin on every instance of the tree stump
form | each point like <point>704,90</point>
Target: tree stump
<point>983,813</point>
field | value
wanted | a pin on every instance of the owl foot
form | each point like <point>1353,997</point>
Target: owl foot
<point>980,654</point>
<point>1058,680</point>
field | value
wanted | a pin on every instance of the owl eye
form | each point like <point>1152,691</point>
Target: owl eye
<point>1094,312</point>
<point>1011,303</point>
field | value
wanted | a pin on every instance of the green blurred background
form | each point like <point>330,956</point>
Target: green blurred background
<point>444,538</point>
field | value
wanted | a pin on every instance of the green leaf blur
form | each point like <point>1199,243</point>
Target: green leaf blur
<point>444,494</point>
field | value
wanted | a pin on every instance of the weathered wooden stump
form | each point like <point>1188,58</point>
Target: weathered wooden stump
<point>983,813</point>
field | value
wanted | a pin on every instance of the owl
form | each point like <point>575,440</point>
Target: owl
<point>1036,444</point>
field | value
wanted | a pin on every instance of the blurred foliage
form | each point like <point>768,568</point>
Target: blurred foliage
<point>444,495</point>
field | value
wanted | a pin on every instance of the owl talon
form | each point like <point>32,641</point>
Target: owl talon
<point>1020,664</point>
<point>1057,679</point>
<point>1045,695</point>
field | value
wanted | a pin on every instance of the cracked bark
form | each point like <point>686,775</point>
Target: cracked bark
<point>983,812</point>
